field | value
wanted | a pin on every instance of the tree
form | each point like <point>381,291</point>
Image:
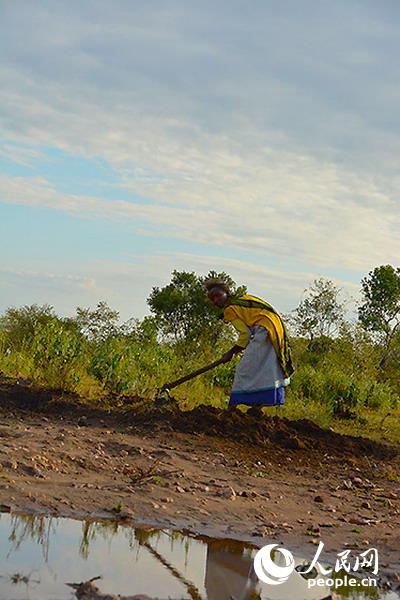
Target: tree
<point>321,312</point>
<point>19,324</point>
<point>380,310</point>
<point>182,309</point>
<point>98,324</point>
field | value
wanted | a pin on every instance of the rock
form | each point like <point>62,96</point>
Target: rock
<point>10,464</point>
<point>270,525</point>
<point>319,499</point>
<point>32,471</point>
<point>126,513</point>
<point>260,532</point>
<point>180,489</point>
<point>358,521</point>
<point>358,481</point>
<point>229,493</point>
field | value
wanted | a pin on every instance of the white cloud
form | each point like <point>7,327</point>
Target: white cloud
<point>324,217</point>
<point>269,130</point>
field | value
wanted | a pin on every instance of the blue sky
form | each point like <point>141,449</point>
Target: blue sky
<point>260,138</point>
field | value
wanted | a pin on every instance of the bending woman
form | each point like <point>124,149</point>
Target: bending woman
<point>265,367</point>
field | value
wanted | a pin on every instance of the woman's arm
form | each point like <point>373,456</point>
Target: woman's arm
<point>241,342</point>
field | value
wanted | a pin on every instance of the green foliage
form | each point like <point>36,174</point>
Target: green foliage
<point>58,354</point>
<point>380,310</point>
<point>182,308</point>
<point>321,312</point>
<point>18,325</point>
<point>94,355</point>
<point>113,364</point>
<point>98,324</point>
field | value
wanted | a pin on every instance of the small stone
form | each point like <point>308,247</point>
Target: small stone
<point>228,493</point>
<point>10,464</point>
<point>260,532</point>
<point>358,521</point>
<point>319,499</point>
<point>270,525</point>
<point>358,481</point>
<point>180,489</point>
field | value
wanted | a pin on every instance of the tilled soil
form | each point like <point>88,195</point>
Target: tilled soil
<point>208,471</point>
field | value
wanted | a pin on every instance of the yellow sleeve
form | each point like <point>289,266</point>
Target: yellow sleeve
<point>229,314</point>
<point>244,333</point>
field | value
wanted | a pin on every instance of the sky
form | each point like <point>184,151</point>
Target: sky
<point>259,138</point>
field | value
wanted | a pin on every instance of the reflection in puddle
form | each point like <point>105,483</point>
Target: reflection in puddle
<point>39,556</point>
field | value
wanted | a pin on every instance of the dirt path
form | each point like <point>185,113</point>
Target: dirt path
<point>207,471</point>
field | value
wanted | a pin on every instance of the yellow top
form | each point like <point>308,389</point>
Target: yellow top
<point>250,311</point>
<point>244,333</point>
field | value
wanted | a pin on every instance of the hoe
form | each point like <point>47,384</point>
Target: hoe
<point>162,395</point>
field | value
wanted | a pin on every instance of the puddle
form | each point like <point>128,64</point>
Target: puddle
<point>40,555</point>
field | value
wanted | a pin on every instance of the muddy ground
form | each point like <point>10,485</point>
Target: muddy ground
<point>207,471</point>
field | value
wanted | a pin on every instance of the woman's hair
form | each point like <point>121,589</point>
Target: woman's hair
<point>217,283</point>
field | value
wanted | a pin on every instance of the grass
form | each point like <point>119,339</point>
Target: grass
<point>106,372</point>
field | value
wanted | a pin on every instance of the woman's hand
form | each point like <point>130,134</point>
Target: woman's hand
<point>227,357</point>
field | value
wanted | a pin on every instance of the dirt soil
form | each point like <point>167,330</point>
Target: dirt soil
<point>207,471</point>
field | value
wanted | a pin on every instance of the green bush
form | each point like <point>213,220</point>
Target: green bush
<point>59,355</point>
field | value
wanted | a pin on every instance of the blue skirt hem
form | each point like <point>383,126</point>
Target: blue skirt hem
<point>272,397</point>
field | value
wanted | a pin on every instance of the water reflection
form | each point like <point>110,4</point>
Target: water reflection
<point>39,555</point>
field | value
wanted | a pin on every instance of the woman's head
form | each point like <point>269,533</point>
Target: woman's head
<point>217,291</point>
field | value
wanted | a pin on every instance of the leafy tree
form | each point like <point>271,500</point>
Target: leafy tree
<point>380,310</point>
<point>145,330</point>
<point>19,324</point>
<point>321,313</point>
<point>182,308</point>
<point>98,324</point>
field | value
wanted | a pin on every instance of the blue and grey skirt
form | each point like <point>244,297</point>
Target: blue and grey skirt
<point>258,378</point>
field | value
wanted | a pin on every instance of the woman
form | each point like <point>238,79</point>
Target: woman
<point>265,367</point>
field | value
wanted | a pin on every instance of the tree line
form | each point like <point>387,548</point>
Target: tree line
<point>94,353</point>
